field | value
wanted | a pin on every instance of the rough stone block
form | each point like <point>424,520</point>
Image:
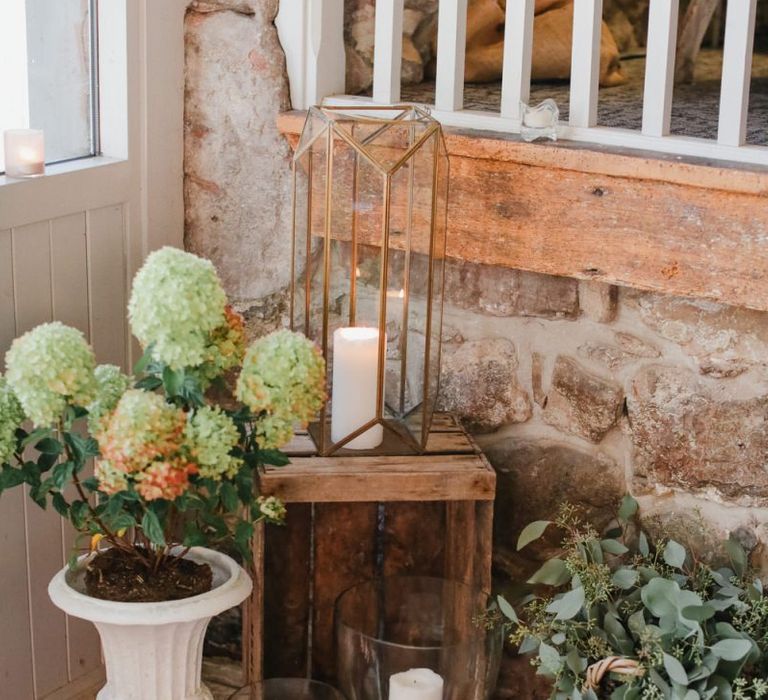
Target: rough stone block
<point>598,301</point>
<point>536,477</point>
<point>236,163</point>
<point>581,403</point>
<point>690,437</point>
<point>499,291</point>
<point>479,383</point>
<point>725,341</point>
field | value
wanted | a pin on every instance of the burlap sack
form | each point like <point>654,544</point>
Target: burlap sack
<point>552,30</point>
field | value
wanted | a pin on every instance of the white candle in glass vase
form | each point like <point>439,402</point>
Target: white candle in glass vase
<point>24,152</point>
<point>416,684</point>
<point>355,385</point>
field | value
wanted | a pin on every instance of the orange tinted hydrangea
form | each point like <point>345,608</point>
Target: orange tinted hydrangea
<point>167,480</point>
<point>225,349</point>
<point>143,438</point>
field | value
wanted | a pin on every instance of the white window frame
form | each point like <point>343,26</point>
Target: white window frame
<point>141,99</point>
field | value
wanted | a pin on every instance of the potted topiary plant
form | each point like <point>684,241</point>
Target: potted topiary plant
<point>175,452</point>
<point>619,616</point>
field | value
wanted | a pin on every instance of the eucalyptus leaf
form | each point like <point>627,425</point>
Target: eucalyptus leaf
<point>731,649</point>
<point>674,554</point>
<point>613,547</point>
<point>532,532</point>
<point>628,508</point>
<point>675,670</point>
<point>737,555</point>
<point>642,544</point>
<point>568,605</point>
<point>551,662</point>
<point>553,572</point>
<point>624,578</point>
<point>507,610</point>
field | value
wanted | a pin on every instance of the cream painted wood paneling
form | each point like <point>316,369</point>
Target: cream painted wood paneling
<point>69,244</point>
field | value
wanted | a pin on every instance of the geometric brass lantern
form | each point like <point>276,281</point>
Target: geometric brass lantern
<point>370,190</point>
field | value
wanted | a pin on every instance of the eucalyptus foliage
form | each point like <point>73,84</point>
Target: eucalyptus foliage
<point>698,632</point>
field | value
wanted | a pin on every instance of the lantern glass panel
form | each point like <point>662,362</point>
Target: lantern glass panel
<point>369,239</point>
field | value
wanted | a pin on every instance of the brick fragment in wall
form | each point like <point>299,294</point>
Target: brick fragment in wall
<point>580,402</point>
<point>237,165</point>
<point>725,341</point>
<point>479,383</point>
<point>536,477</point>
<point>499,291</point>
<point>627,350</point>
<point>598,301</point>
<point>687,435</point>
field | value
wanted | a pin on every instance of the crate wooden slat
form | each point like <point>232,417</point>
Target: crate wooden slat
<point>353,517</point>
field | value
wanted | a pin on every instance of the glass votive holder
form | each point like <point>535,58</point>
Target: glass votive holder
<point>24,153</point>
<point>539,122</point>
<point>421,625</point>
<point>288,689</point>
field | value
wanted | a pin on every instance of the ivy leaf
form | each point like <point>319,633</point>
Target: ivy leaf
<point>532,532</point>
<point>61,505</point>
<point>150,525</point>
<point>568,605</point>
<point>507,610</point>
<point>553,572</point>
<point>675,670</point>
<point>628,508</point>
<point>674,554</point>
<point>731,649</point>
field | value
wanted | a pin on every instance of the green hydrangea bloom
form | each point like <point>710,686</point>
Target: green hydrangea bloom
<point>111,385</point>
<point>47,368</point>
<point>11,417</point>
<point>210,436</point>
<point>283,380</point>
<point>176,302</point>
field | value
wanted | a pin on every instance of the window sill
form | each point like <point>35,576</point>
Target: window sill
<point>77,185</point>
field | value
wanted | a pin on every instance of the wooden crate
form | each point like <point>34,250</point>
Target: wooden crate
<point>352,518</point>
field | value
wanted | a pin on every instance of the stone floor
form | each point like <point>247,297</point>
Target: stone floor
<point>222,676</point>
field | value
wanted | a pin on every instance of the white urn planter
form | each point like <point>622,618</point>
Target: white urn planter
<point>153,651</point>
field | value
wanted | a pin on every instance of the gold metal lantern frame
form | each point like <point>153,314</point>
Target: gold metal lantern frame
<point>370,190</point>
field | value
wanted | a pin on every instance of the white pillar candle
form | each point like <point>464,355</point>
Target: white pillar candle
<point>24,153</point>
<point>355,383</point>
<point>416,684</point>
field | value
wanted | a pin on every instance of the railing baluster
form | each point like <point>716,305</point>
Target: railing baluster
<point>326,61</point>
<point>660,66</point>
<point>518,48</point>
<point>388,51</point>
<point>451,46</point>
<point>585,62</point>
<point>737,71</point>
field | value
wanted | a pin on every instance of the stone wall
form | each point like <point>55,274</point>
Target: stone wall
<point>577,391</point>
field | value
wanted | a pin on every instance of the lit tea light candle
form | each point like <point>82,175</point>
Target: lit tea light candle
<point>416,684</point>
<point>24,153</point>
<point>355,386</point>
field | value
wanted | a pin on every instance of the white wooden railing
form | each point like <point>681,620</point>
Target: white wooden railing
<point>312,35</point>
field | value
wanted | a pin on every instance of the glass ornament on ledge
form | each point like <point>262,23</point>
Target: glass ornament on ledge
<point>539,122</point>
<point>370,187</point>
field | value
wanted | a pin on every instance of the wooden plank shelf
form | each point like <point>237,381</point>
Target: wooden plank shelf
<point>453,468</point>
<point>359,516</point>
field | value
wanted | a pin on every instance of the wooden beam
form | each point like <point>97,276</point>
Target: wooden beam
<point>631,218</point>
